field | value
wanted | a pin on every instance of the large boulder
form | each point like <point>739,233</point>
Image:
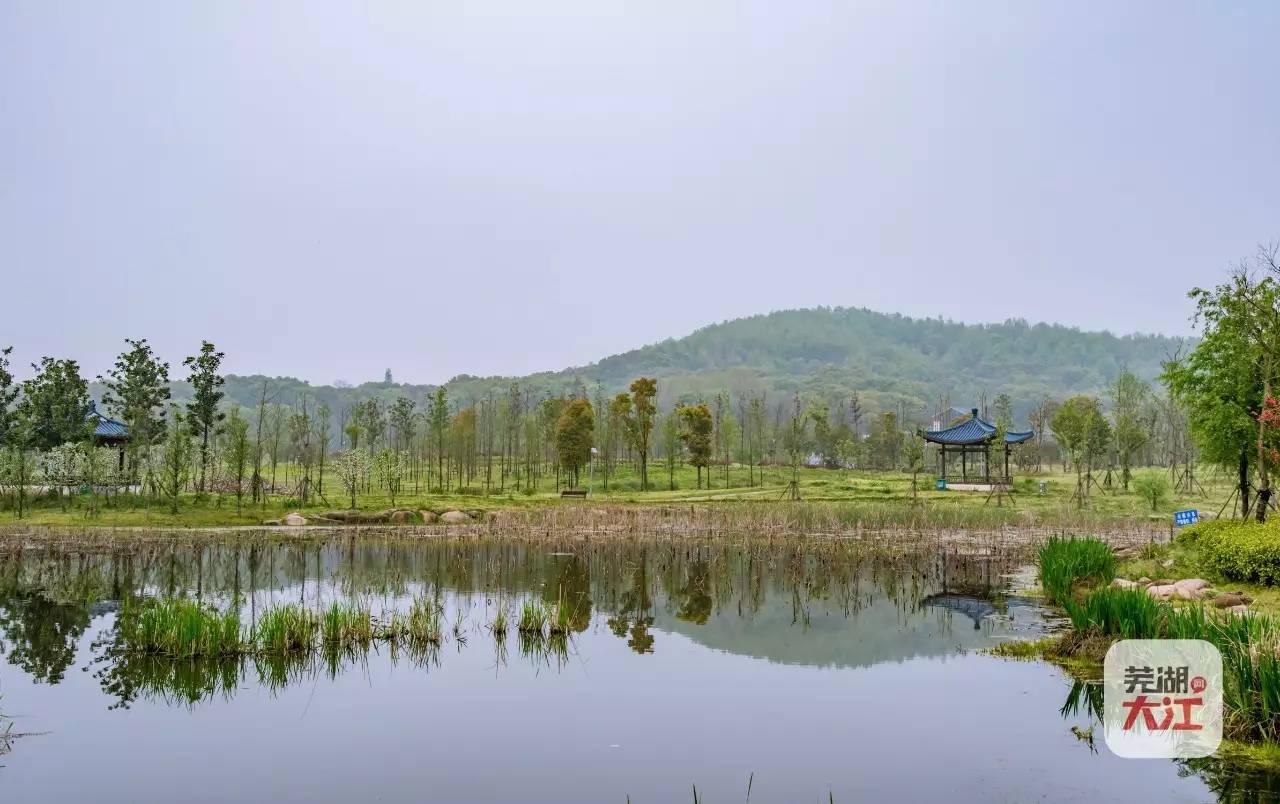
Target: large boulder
<point>1190,588</point>
<point>429,517</point>
<point>1162,591</point>
<point>1229,600</point>
<point>1123,583</point>
<point>402,517</point>
<point>454,517</point>
<point>294,520</point>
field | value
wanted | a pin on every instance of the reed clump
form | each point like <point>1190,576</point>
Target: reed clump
<point>346,625</point>
<point>533,617</point>
<point>287,629</point>
<point>1065,562</point>
<point>183,628</point>
<point>424,623</point>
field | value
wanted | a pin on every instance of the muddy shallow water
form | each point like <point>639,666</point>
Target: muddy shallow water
<point>806,671</point>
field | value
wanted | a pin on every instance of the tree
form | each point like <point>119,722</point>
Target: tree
<point>137,388</point>
<point>323,426</point>
<point>574,431</point>
<point>696,435</point>
<point>237,452</point>
<point>671,445</point>
<point>391,465</point>
<point>8,395</point>
<point>55,404</point>
<point>885,440</point>
<point>1083,432</point>
<point>1131,430</point>
<point>352,467</point>
<point>643,392</point>
<point>175,459</point>
<point>1222,384</point>
<point>203,414</point>
<point>913,458</point>
<point>438,425</point>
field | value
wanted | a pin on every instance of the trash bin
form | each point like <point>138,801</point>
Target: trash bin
<point>940,484</point>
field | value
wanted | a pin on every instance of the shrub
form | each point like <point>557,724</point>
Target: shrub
<point>1244,551</point>
<point>1065,562</point>
<point>1152,487</point>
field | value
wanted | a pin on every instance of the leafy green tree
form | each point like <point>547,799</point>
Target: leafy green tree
<point>671,445</point>
<point>438,425</point>
<point>885,440</point>
<point>913,459</point>
<point>643,392</point>
<point>8,395</point>
<point>574,431</point>
<point>1132,427</point>
<point>237,452</point>
<point>696,435</point>
<point>203,413</point>
<point>137,388</point>
<point>1083,432</point>
<point>55,404</point>
<point>175,460</point>
<point>352,466</point>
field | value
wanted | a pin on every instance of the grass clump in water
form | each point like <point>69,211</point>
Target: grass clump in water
<point>186,629</point>
<point>423,624</point>
<point>1066,562</point>
<point>287,629</point>
<point>346,625</point>
<point>533,617</point>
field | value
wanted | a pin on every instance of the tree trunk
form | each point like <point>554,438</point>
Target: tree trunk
<point>1244,484</point>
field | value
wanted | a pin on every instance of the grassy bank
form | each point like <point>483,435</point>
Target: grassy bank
<point>884,497</point>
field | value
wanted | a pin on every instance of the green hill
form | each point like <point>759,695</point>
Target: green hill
<point>824,352</point>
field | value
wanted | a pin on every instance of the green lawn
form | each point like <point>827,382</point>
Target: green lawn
<point>882,490</point>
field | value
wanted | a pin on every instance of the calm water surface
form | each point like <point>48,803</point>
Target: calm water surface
<point>809,669</point>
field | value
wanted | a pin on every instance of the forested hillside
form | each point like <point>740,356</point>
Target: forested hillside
<point>889,360</point>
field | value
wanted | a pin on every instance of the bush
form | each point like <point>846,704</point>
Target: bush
<point>1065,562</point>
<point>1152,487</point>
<point>1242,551</point>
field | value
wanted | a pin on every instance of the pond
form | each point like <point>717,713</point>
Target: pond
<point>798,670</point>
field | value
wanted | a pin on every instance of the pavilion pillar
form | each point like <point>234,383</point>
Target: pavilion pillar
<point>986,462</point>
<point>943,460</point>
<point>964,464</point>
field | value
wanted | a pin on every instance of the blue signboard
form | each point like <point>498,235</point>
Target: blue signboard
<point>1189,517</point>
<point>940,484</point>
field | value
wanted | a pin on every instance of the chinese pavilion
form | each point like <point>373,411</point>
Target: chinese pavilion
<point>974,437</point>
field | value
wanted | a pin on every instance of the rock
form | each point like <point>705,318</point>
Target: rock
<point>1230,600</point>
<point>454,517</point>
<point>1122,583</point>
<point>1241,609</point>
<point>1162,591</point>
<point>401,517</point>
<point>294,520</point>
<point>1191,588</point>
<point>272,522</point>
<point>1168,562</point>
<point>429,517</point>
<point>1144,580</point>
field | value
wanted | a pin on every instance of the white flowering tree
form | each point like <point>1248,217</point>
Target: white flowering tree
<point>392,465</point>
<point>60,469</point>
<point>353,466</point>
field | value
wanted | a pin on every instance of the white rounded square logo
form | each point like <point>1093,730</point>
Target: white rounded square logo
<point>1163,698</point>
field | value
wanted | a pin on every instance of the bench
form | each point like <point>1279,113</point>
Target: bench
<point>574,493</point>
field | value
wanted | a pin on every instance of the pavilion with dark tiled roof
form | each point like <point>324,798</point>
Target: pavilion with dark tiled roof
<point>107,432</point>
<point>974,436</point>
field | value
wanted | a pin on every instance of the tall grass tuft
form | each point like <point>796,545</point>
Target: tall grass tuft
<point>184,628</point>
<point>1126,613</point>
<point>346,625</point>
<point>287,629</point>
<point>1066,562</point>
<point>533,617</point>
<point>424,626</point>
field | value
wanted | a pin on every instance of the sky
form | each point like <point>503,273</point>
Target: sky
<point>326,190</point>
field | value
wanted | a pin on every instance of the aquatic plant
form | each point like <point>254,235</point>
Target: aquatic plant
<point>287,629</point>
<point>184,628</point>
<point>499,624</point>
<point>424,626</point>
<point>1066,562</point>
<point>346,625</point>
<point>1126,613</point>
<point>533,617</point>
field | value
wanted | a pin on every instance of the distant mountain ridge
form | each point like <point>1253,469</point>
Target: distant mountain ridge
<point>822,352</point>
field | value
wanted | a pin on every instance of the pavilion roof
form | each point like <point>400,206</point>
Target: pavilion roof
<point>974,430</point>
<point>105,426</point>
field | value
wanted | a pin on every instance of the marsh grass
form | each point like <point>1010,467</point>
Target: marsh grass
<point>287,629</point>
<point>1065,562</point>
<point>183,628</point>
<point>424,622</point>
<point>499,624</point>
<point>533,617</point>
<point>346,625</point>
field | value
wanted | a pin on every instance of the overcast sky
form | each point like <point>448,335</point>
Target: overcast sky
<point>326,189</point>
